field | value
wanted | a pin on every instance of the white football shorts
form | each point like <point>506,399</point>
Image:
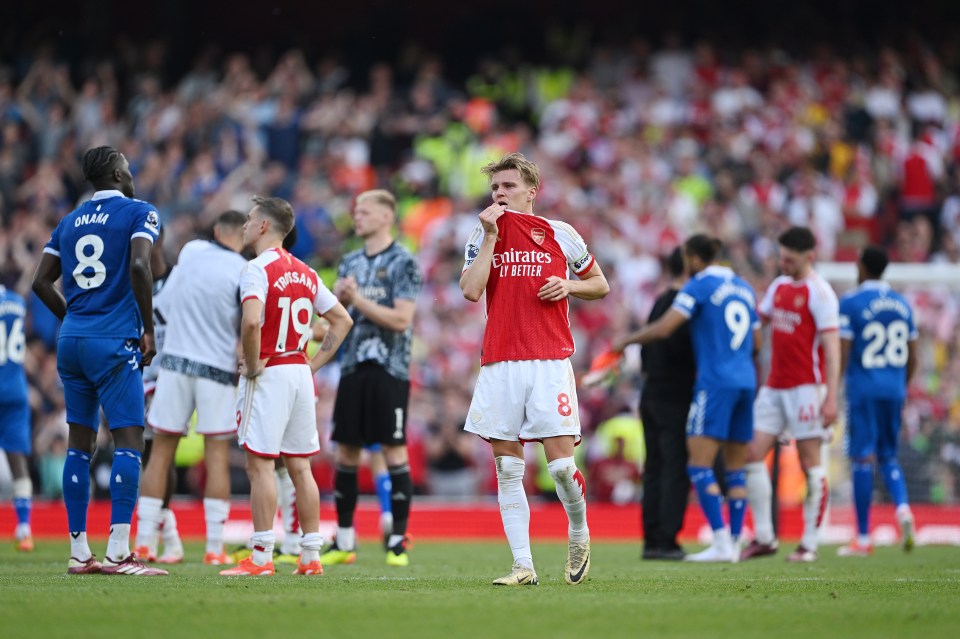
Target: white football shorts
<point>276,412</point>
<point>176,397</point>
<point>790,413</point>
<point>527,400</point>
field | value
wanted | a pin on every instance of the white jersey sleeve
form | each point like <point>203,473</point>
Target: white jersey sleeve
<point>253,283</point>
<point>325,300</point>
<point>574,248</point>
<point>824,306</point>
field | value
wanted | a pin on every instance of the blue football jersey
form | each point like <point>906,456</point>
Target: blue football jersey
<point>93,244</point>
<point>722,310</point>
<point>13,345</point>
<point>878,321</point>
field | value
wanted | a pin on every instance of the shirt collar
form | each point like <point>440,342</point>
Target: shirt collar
<point>716,269</point>
<point>878,285</point>
<point>102,195</point>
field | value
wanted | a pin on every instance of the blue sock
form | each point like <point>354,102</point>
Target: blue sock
<point>124,485</point>
<point>893,477</point>
<point>76,489</point>
<point>863,495</point>
<point>384,486</point>
<point>22,507</point>
<point>736,507</point>
<point>702,478</point>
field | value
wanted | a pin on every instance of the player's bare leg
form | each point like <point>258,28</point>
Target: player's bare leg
<point>308,505</point>
<point>263,506</point>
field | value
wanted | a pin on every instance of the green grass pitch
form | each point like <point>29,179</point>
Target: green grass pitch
<point>446,593</point>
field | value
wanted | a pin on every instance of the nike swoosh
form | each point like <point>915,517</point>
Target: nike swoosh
<point>577,576</point>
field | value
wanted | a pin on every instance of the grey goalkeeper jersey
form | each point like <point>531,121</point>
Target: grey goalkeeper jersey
<point>383,278</point>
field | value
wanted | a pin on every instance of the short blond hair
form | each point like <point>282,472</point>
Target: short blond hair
<point>380,196</point>
<point>527,169</point>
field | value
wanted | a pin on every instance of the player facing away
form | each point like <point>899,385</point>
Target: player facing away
<point>146,545</point>
<point>799,399</point>
<point>102,252</point>
<point>15,410</point>
<point>878,359</point>
<point>526,389</point>
<point>725,331</point>
<point>275,405</point>
<point>379,285</point>
<point>197,373</point>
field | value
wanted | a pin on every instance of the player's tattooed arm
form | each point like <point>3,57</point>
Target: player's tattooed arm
<point>330,342</point>
<point>340,324</point>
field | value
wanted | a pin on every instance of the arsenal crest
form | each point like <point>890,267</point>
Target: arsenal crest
<point>538,235</point>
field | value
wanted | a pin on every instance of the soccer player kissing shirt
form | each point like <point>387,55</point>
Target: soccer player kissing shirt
<point>102,251</point>
<point>526,390</point>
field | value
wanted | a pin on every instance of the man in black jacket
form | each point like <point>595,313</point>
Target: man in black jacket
<point>668,376</point>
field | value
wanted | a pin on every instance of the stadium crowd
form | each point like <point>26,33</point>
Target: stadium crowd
<point>639,145</point>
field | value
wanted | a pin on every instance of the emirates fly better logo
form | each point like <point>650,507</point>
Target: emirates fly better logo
<point>538,235</point>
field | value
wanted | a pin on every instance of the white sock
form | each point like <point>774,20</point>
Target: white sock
<point>904,513</point>
<point>386,523</point>
<point>722,539</point>
<point>79,548</point>
<point>759,494</point>
<point>346,538</point>
<point>570,490</point>
<point>311,543</point>
<point>514,509</point>
<point>118,545</point>
<point>215,512</point>
<point>168,529</point>
<point>287,500</point>
<point>814,506</point>
<point>148,521</point>
<point>263,543</point>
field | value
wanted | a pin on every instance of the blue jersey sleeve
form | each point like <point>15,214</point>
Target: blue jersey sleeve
<point>146,223</point>
<point>846,317</point>
<point>53,246</point>
<point>687,302</point>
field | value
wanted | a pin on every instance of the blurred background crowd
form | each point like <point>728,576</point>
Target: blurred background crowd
<point>641,140</point>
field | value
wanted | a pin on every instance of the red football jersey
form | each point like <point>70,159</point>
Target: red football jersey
<point>290,291</point>
<point>521,326</point>
<point>798,312</point>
